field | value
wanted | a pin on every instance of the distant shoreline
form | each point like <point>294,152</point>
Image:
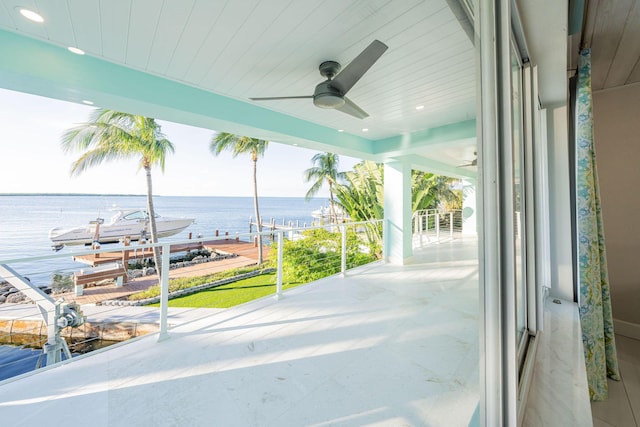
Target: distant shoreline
<point>73,194</point>
<point>144,195</point>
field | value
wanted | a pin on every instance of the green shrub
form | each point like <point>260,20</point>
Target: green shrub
<point>61,283</point>
<point>318,255</point>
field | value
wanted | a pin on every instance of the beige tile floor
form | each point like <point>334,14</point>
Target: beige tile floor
<point>622,409</point>
<point>386,345</point>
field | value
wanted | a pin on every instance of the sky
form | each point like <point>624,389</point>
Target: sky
<point>32,160</point>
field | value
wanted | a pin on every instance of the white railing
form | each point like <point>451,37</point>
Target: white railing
<point>321,250</point>
<point>435,226</point>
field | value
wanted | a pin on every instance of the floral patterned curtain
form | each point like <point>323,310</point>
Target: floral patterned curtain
<point>595,301</point>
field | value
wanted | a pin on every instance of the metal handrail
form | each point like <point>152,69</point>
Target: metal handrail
<point>429,222</point>
<point>279,235</point>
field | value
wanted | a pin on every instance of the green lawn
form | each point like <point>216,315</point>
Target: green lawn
<point>231,294</point>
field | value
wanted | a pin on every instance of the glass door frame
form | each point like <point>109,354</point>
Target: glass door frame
<point>502,355</point>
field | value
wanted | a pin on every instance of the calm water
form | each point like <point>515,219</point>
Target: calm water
<point>17,360</point>
<point>25,222</point>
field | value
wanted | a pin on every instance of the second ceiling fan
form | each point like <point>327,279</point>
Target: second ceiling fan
<point>471,163</point>
<point>331,92</point>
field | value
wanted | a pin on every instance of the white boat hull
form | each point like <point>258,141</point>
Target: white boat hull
<point>116,231</point>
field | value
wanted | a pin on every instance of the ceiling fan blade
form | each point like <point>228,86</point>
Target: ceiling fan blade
<point>360,65</point>
<point>350,108</point>
<point>271,98</point>
<point>472,163</point>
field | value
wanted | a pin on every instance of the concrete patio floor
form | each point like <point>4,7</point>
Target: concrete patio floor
<point>386,345</point>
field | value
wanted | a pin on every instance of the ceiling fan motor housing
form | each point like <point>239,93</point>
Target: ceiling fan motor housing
<point>326,96</point>
<point>331,93</point>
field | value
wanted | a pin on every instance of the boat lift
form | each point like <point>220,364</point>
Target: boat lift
<point>57,315</point>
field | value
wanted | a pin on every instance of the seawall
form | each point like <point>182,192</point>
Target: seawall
<point>110,331</point>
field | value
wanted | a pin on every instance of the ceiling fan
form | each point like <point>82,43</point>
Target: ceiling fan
<point>331,92</point>
<point>473,162</point>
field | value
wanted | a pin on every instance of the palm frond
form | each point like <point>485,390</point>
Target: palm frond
<point>114,135</point>
<point>313,190</point>
<point>324,170</point>
<point>236,144</point>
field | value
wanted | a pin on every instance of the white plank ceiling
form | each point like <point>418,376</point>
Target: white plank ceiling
<point>612,31</point>
<point>260,48</point>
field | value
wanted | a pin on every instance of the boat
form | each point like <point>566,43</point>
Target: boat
<point>125,223</point>
<point>324,214</point>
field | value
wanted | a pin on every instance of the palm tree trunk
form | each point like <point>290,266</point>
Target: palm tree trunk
<point>152,223</point>
<point>334,217</point>
<point>255,208</point>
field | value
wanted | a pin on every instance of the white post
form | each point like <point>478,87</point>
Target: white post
<point>52,347</point>
<point>279,269</point>
<point>385,239</point>
<point>343,255</point>
<point>451,225</point>
<point>437,227</point>
<point>164,293</point>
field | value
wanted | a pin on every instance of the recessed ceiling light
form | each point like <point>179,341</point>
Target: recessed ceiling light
<point>340,130</point>
<point>76,50</point>
<point>295,145</point>
<point>419,107</point>
<point>365,130</point>
<point>31,15</point>
<point>86,101</point>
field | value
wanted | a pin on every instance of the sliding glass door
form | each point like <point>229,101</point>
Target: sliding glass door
<point>519,202</point>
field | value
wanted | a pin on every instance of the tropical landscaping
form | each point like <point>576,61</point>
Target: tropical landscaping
<point>354,196</point>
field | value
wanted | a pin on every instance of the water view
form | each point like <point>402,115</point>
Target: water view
<point>25,221</point>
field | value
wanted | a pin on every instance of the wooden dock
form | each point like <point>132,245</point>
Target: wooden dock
<point>272,225</point>
<point>230,246</point>
<point>97,294</point>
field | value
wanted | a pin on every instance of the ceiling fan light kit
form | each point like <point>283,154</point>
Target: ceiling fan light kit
<point>330,94</point>
<point>328,100</point>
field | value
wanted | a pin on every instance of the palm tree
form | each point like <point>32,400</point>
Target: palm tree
<point>362,194</point>
<point>325,169</point>
<point>224,141</point>
<point>362,198</point>
<point>112,135</point>
<point>431,191</point>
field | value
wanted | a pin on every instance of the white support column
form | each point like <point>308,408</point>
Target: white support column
<point>343,250</point>
<point>560,239</point>
<point>469,217</point>
<point>397,211</point>
<point>279,267</point>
